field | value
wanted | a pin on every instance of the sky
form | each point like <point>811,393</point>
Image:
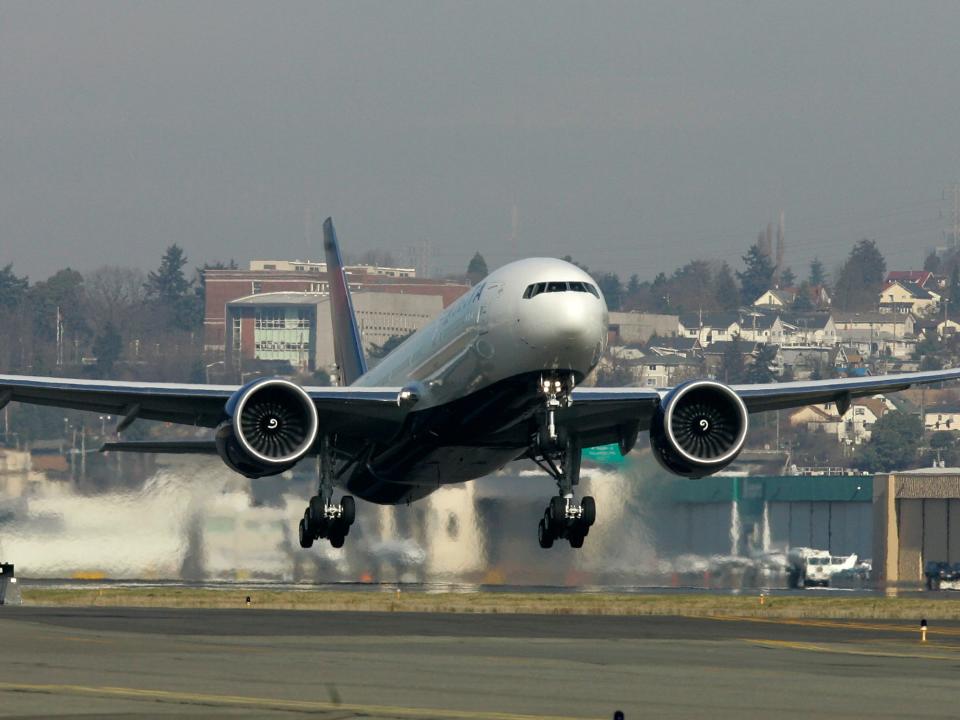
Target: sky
<point>634,136</point>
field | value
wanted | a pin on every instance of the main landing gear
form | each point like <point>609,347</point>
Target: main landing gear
<point>558,454</point>
<point>323,518</point>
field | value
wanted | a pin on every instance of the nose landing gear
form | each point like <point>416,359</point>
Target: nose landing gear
<point>558,454</point>
<point>323,518</point>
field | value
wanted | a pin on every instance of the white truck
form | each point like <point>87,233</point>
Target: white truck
<point>808,567</point>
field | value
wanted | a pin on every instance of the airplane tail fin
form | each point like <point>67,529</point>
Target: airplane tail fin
<point>347,348</point>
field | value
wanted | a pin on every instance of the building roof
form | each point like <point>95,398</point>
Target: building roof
<point>710,319</point>
<point>283,298</point>
<point>878,318</point>
<point>807,320</point>
<point>920,277</point>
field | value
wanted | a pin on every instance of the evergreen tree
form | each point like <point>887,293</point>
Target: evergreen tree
<point>757,275</point>
<point>762,369</point>
<point>787,278</point>
<point>477,269</point>
<point>725,291</point>
<point>932,263</point>
<point>612,290</point>
<point>893,444</point>
<point>13,289</point>
<point>802,301</point>
<point>818,275</point>
<point>731,364</point>
<point>168,284</point>
<point>108,347</point>
<point>861,277</point>
<point>633,286</point>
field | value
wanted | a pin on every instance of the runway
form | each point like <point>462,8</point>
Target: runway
<point>147,663</point>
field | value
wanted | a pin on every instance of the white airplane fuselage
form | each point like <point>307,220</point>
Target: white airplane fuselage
<point>478,365</point>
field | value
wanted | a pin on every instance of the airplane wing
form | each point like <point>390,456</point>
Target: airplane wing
<point>604,415</point>
<point>343,409</point>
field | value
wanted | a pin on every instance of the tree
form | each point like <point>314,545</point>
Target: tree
<point>569,259</point>
<point>612,290</point>
<point>802,302</point>
<point>108,347</point>
<point>757,276</point>
<point>64,290</point>
<point>932,263</point>
<point>787,278</point>
<point>893,443</point>
<point>731,364</point>
<point>818,275</point>
<point>168,284</point>
<point>168,290</point>
<point>726,293</point>
<point>762,369</point>
<point>477,269</point>
<point>861,277</point>
<point>954,292</point>
<point>13,289</point>
<point>633,287</point>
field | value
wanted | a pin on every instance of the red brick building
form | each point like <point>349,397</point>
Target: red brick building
<point>224,286</point>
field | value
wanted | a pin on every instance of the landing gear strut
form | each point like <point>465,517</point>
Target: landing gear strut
<point>323,518</point>
<point>558,454</point>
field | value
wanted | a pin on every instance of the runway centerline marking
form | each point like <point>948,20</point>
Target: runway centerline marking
<point>275,703</point>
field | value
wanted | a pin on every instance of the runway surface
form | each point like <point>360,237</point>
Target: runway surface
<point>145,663</point>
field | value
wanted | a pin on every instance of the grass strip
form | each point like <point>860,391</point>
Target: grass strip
<point>699,605</point>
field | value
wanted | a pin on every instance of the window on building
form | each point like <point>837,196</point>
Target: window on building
<point>236,334</point>
<point>254,287</point>
<point>269,266</point>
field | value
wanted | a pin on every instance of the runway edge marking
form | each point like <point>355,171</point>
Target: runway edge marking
<point>278,703</point>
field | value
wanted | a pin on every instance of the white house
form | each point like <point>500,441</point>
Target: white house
<point>710,327</point>
<point>946,417</point>
<point>907,297</point>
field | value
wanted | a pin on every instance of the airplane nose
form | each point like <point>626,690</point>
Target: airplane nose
<point>562,321</point>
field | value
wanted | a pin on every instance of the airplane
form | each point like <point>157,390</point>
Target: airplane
<point>493,379</point>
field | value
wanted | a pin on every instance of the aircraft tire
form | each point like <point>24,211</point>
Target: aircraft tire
<point>588,507</point>
<point>305,536</point>
<point>576,538</point>
<point>557,511</point>
<point>337,540</point>
<point>349,506</point>
<point>544,536</point>
<point>316,511</point>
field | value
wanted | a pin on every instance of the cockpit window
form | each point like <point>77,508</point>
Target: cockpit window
<point>552,287</point>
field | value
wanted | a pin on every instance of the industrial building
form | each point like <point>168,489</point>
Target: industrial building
<point>912,514</point>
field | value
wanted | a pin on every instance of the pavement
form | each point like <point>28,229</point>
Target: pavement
<point>156,663</point>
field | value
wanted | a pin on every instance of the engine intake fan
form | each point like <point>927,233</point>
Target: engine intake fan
<point>699,429</point>
<point>272,424</point>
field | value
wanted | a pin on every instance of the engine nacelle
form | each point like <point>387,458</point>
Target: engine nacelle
<point>699,428</point>
<point>271,423</point>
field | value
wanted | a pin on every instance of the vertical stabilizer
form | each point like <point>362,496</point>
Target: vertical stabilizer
<point>346,336</point>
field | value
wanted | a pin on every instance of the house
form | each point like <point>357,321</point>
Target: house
<point>713,355</point>
<point>812,328</point>
<point>857,424</point>
<point>947,328</point>
<point>776,298</point>
<point>943,417</point>
<point>803,360</point>
<point>710,327</point>
<point>758,327</point>
<point>636,327</point>
<point>876,333</point>
<point>906,297</point>
<point>816,418</point>
<point>662,372</point>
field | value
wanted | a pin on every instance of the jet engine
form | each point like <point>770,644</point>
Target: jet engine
<point>271,423</point>
<point>699,428</point>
